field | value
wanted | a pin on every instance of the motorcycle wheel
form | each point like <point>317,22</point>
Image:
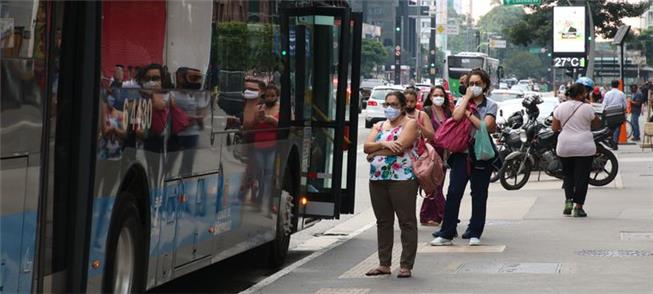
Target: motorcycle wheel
<point>503,153</point>
<point>510,173</point>
<point>604,167</point>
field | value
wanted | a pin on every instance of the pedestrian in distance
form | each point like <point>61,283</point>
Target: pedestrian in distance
<point>636,109</point>
<point>465,168</point>
<point>574,120</point>
<point>437,108</point>
<point>612,98</point>
<point>393,185</point>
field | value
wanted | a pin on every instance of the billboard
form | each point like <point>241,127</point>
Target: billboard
<point>569,30</point>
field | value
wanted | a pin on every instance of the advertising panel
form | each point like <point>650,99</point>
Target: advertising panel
<point>569,29</point>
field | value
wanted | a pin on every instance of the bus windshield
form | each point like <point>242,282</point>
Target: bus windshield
<point>465,62</point>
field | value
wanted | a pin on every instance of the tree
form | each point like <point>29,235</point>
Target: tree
<point>500,18</point>
<point>372,54</point>
<point>525,65</point>
<point>643,41</point>
<point>536,27</point>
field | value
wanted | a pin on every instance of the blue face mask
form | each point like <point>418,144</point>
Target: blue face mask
<point>391,113</point>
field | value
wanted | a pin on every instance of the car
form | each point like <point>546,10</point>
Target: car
<point>508,101</point>
<point>509,107</point>
<point>374,110</point>
<point>366,89</point>
<point>521,87</point>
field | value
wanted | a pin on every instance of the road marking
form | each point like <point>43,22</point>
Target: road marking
<point>343,291</point>
<point>271,279</point>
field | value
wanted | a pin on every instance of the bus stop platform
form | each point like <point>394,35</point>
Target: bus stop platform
<point>528,246</point>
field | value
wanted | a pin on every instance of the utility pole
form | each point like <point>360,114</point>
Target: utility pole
<point>398,47</point>
<point>432,50</point>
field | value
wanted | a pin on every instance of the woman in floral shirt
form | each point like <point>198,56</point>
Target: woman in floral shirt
<point>393,187</point>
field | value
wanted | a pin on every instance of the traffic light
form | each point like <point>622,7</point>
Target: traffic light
<point>398,28</point>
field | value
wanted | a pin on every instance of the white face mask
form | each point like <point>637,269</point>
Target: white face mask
<point>438,100</point>
<point>249,94</point>
<point>476,91</point>
<point>391,113</point>
<point>152,85</point>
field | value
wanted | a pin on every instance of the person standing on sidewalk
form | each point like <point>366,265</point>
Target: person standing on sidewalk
<point>614,97</point>
<point>393,186</point>
<point>636,109</point>
<point>576,148</point>
<point>465,168</point>
<point>437,108</point>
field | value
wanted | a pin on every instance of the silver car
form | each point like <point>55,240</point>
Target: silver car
<point>374,110</point>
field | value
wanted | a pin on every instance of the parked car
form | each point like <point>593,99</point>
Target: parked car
<point>366,90</point>
<point>374,111</point>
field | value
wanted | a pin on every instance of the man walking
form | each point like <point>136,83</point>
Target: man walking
<point>611,98</point>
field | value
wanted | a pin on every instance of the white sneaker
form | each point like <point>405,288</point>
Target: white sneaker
<point>474,241</point>
<point>439,241</point>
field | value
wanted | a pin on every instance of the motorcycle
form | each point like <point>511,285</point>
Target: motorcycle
<point>537,152</point>
<point>507,139</point>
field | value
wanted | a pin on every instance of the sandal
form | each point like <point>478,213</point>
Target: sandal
<point>431,223</point>
<point>404,273</point>
<point>378,272</point>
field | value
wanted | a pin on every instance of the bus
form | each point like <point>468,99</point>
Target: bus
<point>464,62</point>
<point>140,141</point>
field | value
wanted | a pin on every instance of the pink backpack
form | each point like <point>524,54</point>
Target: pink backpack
<point>427,166</point>
<point>453,135</point>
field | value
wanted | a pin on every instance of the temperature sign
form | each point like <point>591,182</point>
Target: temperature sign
<point>569,62</point>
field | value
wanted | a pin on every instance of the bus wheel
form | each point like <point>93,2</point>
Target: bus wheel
<point>278,249</point>
<point>124,271</point>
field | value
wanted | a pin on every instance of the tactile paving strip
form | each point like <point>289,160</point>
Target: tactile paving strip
<point>427,248</point>
<point>614,253</point>
<point>636,236</point>
<point>359,270</point>
<point>513,268</point>
<point>343,291</point>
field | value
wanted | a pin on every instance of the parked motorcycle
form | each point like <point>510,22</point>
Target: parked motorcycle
<point>537,152</point>
<point>507,139</point>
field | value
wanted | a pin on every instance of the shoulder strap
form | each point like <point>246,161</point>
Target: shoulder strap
<point>572,114</point>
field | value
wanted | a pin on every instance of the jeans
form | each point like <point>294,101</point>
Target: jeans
<point>265,161</point>
<point>479,176</point>
<point>390,198</point>
<point>615,135</point>
<point>634,120</point>
<point>577,172</point>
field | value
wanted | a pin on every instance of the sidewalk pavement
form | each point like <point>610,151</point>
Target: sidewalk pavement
<point>528,246</point>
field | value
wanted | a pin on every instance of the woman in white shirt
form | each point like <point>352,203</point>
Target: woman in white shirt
<point>576,148</point>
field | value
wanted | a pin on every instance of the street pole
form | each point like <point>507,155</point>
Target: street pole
<point>432,50</point>
<point>622,62</point>
<point>418,47</point>
<point>398,47</point>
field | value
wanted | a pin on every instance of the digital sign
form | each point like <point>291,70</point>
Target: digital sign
<point>569,29</point>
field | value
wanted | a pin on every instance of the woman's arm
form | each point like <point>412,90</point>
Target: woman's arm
<point>370,145</point>
<point>596,121</point>
<point>407,137</point>
<point>460,110</point>
<point>555,125</point>
<point>426,126</point>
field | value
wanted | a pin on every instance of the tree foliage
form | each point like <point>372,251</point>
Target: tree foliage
<point>524,65</point>
<point>536,27</point>
<point>372,54</point>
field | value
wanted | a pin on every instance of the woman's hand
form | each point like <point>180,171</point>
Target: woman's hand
<point>393,146</point>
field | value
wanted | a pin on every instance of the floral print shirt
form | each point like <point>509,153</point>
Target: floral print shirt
<point>392,167</point>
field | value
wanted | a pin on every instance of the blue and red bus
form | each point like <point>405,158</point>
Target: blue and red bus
<point>143,140</point>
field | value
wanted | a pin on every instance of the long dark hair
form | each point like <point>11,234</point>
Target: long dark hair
<point>445,106</point>
<point>485,77</point>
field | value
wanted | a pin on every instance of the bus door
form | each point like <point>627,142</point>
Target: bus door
<point>316,48</point>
